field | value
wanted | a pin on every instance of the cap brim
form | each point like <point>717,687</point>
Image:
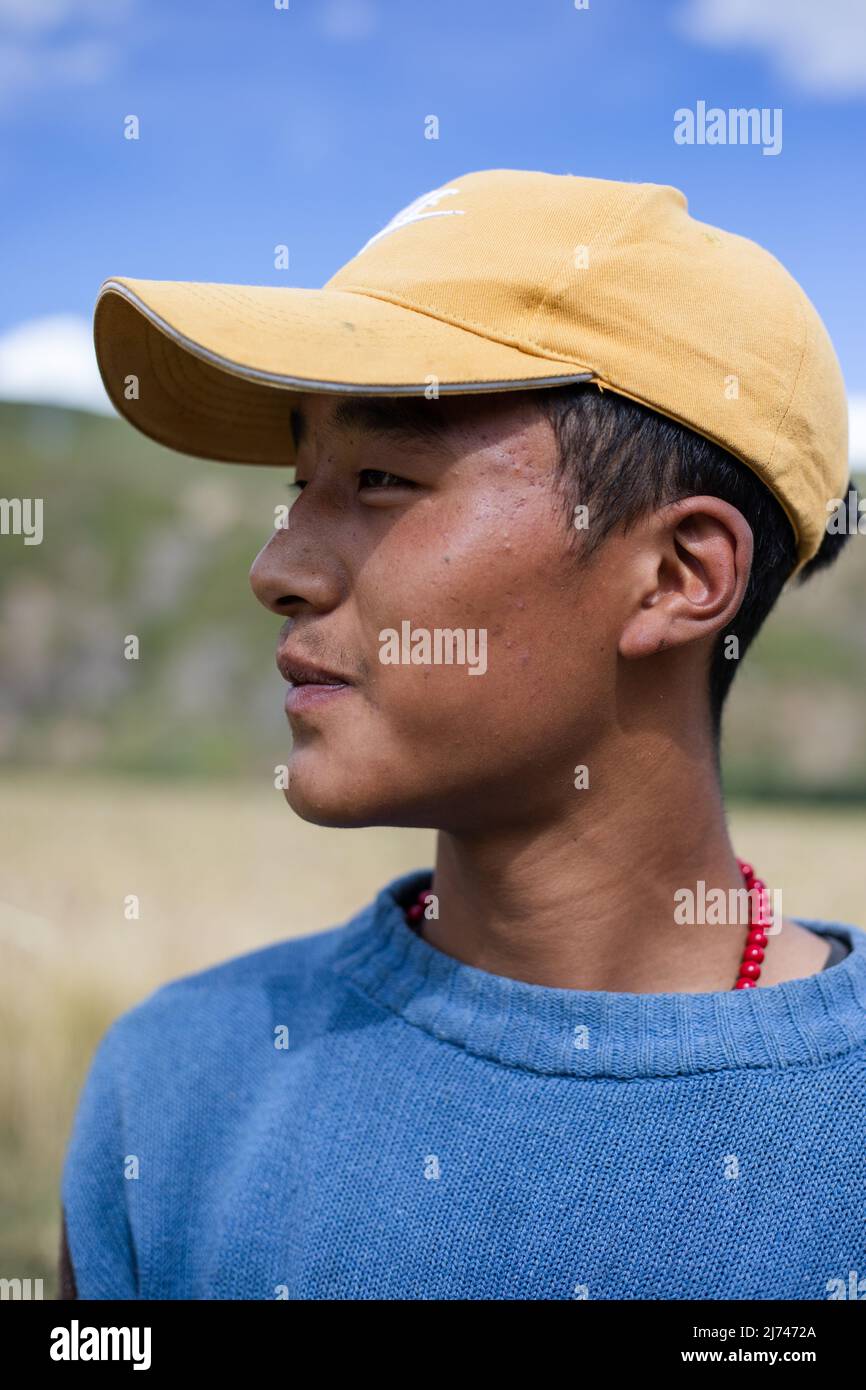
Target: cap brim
<point>205,368</point>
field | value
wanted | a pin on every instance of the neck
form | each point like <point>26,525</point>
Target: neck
<point>586,900</point>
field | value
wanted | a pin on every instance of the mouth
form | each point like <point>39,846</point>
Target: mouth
<point>309,685</point>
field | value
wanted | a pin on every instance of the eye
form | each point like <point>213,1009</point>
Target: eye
<point>377,475</point>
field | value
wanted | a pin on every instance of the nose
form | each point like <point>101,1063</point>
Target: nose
<point>287,577</point>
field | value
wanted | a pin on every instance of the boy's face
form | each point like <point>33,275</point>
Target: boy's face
<point>462,530</point>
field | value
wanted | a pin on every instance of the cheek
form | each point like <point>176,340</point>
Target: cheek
<point>509,583</point>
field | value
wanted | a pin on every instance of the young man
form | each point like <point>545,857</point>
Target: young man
<point>558,448</point>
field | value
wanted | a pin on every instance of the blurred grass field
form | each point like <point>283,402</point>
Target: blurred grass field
<point>220,867</point>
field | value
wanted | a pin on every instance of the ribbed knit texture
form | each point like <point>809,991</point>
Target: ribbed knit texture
<point>433,1131</point>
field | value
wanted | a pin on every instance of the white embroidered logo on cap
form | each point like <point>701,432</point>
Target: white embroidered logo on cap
<point>415,213</point>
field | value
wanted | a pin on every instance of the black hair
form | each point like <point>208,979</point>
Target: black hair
<point>622,460</point>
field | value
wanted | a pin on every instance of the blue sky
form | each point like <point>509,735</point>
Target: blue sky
<point>305,126</point>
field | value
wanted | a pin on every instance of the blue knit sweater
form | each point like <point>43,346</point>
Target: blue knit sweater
<point>356,1114</point>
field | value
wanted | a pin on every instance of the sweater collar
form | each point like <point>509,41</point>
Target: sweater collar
<point>598,1033</point>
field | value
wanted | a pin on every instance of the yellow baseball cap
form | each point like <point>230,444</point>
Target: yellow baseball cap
<point>503,279</point>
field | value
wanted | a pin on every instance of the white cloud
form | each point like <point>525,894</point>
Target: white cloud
<point>819,45</point>
<point>32,16</point>
<point>24,68</point>
<point>52,360</point>
<point>50,44</point>
<point>346,20</point>
<point>28,16</point>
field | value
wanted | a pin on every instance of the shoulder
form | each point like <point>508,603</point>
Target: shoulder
<point>197,1043</point>
<point>234,1003</point>
<point>853,936</point>
<point>281,965</point>
<point>297,981</point>
<point>175,1074</point>
<point>205,1027</point>
<point>208,1021</point>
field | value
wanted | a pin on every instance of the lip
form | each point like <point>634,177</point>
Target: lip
<point>298,670</point>
<point>304,697</point>
<point>310,685</point>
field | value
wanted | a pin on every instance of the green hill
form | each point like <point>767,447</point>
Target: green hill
<point>137,540</point>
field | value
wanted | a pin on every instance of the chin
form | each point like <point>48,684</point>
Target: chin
<point>321,810</point>
<point>343,802</point>
<point>338,807</point>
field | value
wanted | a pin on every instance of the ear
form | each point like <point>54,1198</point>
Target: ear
<point>692,560</point>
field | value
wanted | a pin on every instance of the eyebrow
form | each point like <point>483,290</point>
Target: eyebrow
<point>409,420</point>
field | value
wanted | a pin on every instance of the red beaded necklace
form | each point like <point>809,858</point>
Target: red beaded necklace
<point>756,941</point>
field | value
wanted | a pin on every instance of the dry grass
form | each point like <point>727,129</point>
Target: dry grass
<point>219,869</point>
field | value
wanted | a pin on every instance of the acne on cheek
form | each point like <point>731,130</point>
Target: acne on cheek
<point>480,579</point>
